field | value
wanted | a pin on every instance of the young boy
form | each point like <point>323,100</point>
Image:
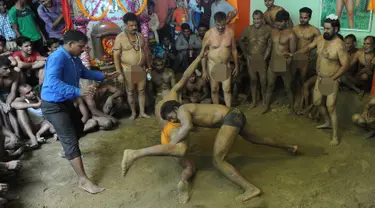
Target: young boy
<point>52,45</point>
<point>30,61</point>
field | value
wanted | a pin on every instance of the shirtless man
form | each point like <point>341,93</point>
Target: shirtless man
<point>230,122</point>
<point>30,115</point>
<point>366,59</point>
<point>222,42</point>
<point>284,41</point>
<point>196,90</point>
<point>333,61</point>
<point>348,78</point>
<point>130,50</point>
<point>270,14</point>
<point>89,123</point>
<point>163,79</point>
<point>366,119</point>
<point>8,91</point>
<point>108,97</point>
<point>257,39</point>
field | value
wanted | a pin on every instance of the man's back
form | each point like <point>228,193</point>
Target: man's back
<point>204,115</point>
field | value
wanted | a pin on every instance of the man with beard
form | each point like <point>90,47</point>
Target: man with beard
<point>257,39</point>
<point>306,34</point>
<point>130,51</point>
<point>222,42</point>
<point>332,62</point>
<point>270,14</point>
<point>348,78</point>
<point>284,41</point>
<point>163,79</point>
<point>196,90</point>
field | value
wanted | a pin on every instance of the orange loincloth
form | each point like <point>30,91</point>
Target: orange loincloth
<point>166,132</point>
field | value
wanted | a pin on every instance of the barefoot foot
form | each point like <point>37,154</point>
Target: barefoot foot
<point>88,186</point>
<point>144,115</point>
<point>334,142</point>
<point>55,137</point>
<point>293,150</point>
<point>369,135</point>
<point>327,125</point>
<point>133,117</point>
<point>183,192</point>
<point>265,111</point>
<point>127,161</point>
<point>41,140</point>
<point>248,195</point>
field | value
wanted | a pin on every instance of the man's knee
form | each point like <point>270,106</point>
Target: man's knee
<point>331,108</point>
<point>215,89</point>
<point>217,161</point>
<point>71,148</point>
<point>106,124</point>
<point>227,89</point>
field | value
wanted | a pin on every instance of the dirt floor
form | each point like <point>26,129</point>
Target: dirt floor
<point>322,177</point>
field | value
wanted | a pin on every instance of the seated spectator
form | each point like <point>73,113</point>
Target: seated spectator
<point>180,16</point>
<point>153,45</point>
<point>50,11</point>
<point>52,44</point>
<point>163,79</point>
<point>187,45</point>
<point>202,29</point>
<point>30,116</point>
<point>154,20</point>
<point>196,90</point>
<point>169,51</point>
<point>6,29</point>
<point>8,93</point>
<point>30,61</point>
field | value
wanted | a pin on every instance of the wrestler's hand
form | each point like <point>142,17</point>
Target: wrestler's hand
<point>88,91</point>
<point>39,103</point>
<point>3,188</point>
<point>235,72</point>
<point>14,165</point>
<point>205,76</point>
<point>6,107</point>
<point>111,75</point>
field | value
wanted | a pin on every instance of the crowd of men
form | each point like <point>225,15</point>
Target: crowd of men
<point>182,65</point>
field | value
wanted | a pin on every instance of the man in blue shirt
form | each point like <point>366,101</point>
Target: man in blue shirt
<point>63,71</point>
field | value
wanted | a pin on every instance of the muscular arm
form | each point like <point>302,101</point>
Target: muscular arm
<point>186,125</point>
<point>20,104</point>
<point>343,56</point>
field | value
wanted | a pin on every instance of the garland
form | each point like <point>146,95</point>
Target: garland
<point>136,13</point>
<point>84,12</point>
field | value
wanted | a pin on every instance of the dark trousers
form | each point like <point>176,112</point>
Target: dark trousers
<point>66,119</point>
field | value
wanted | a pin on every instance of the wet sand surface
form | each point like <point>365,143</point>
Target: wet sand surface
<point>321,177</point>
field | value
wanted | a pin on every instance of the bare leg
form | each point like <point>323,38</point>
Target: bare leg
<point>271,80</point>
<point>214,91</point>
<point>227,92</point>
<point>183,185</point>
<point>263,84</point>
<point>350,11</point>
<point>14,123</point>
<point>288,80</point>
<point>131,99</point>
<point>90,125</point>
<point>44,128</point>
<point>26,127</point>
<point>253,87</point>
<point>130,156</point>
<point>223,143</point>
<point>142,99</point>
<point>305,101</point>
<point>339,7</point>
<point>331,107</point>
<point>349,82</point>
<point>103,122</point>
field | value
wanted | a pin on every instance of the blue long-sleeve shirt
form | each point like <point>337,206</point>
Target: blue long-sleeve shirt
<point>61,76</point>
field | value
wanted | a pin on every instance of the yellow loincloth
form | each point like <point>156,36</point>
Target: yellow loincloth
<point>166,132</point>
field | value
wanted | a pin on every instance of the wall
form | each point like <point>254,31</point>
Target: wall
<point>293,6</point>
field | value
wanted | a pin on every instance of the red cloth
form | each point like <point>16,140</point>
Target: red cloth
<point>373,86</point>
<point>67,17</point>
<point>31,59</point>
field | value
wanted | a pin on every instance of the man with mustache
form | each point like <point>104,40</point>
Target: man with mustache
<point>332,62</point>
<point>130,51</point>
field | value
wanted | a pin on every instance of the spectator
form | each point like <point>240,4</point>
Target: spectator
<point>180,16</point>
<point>154,21</point>
<point>187,45</point>
<point>23,23</point>
<point>222,6</point>
<point>169,52</point>
<point>194,14</point>
<point>202,29</point>
<point>53,44</point>
<point>206,15</point>
<point>164,10</point>
<point>50,12</point>
<point>6,29</point>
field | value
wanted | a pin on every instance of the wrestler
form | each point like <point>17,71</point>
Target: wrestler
<point>129,51</point>
<point>332,62</point>
<point>196,90</point>
<point>30,116</point>
<point>270,14</point>
<point>257,38</point>
<point>366,59</point>
<point>230,122</point>
<point>284,41</point>
<point>89,123</point>
<point>366,119</point>
<point>222,42</point>
<point>163,79</point>
<point>8,91</point>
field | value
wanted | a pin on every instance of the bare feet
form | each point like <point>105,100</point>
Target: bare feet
<point>293,149</point>
<point>127,161</point>
<point>248,194</point>
<point>334,142</point>
<point>88,186</point>
<point>133,117</point>
<point>14,165</point>
<point>252,105</point>
<point>183,192</point>
<point>144,115</point>
<point>265,111</point>
<point>326,125</point>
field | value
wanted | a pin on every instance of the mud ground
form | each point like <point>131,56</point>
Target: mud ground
<point>321,177</point>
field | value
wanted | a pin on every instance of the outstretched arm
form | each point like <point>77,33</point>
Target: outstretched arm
<point>309,47</point>
<point>186,125</point>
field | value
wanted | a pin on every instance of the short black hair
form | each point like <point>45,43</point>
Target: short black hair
<point>340,36</point>
<point>370,36</point>
<point>21,40</point>
<point>51,41</point>
<point>220,16</point>
<point>74,36</point>
<point>351,36</point>
<point>168,107</point>
<point>23,85</point>
<point>185,26</point>
<point>2,38</point>
<point>4,61</point>
<point>306,10</point>
<point>203,25</point>
<point>334,23</point>
<point>129,17</point>
<point>258,12</point>
<point>282,15</point>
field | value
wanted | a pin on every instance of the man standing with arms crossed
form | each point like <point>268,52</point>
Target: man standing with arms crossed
<point>333,61</point>
<point>61,85</point>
